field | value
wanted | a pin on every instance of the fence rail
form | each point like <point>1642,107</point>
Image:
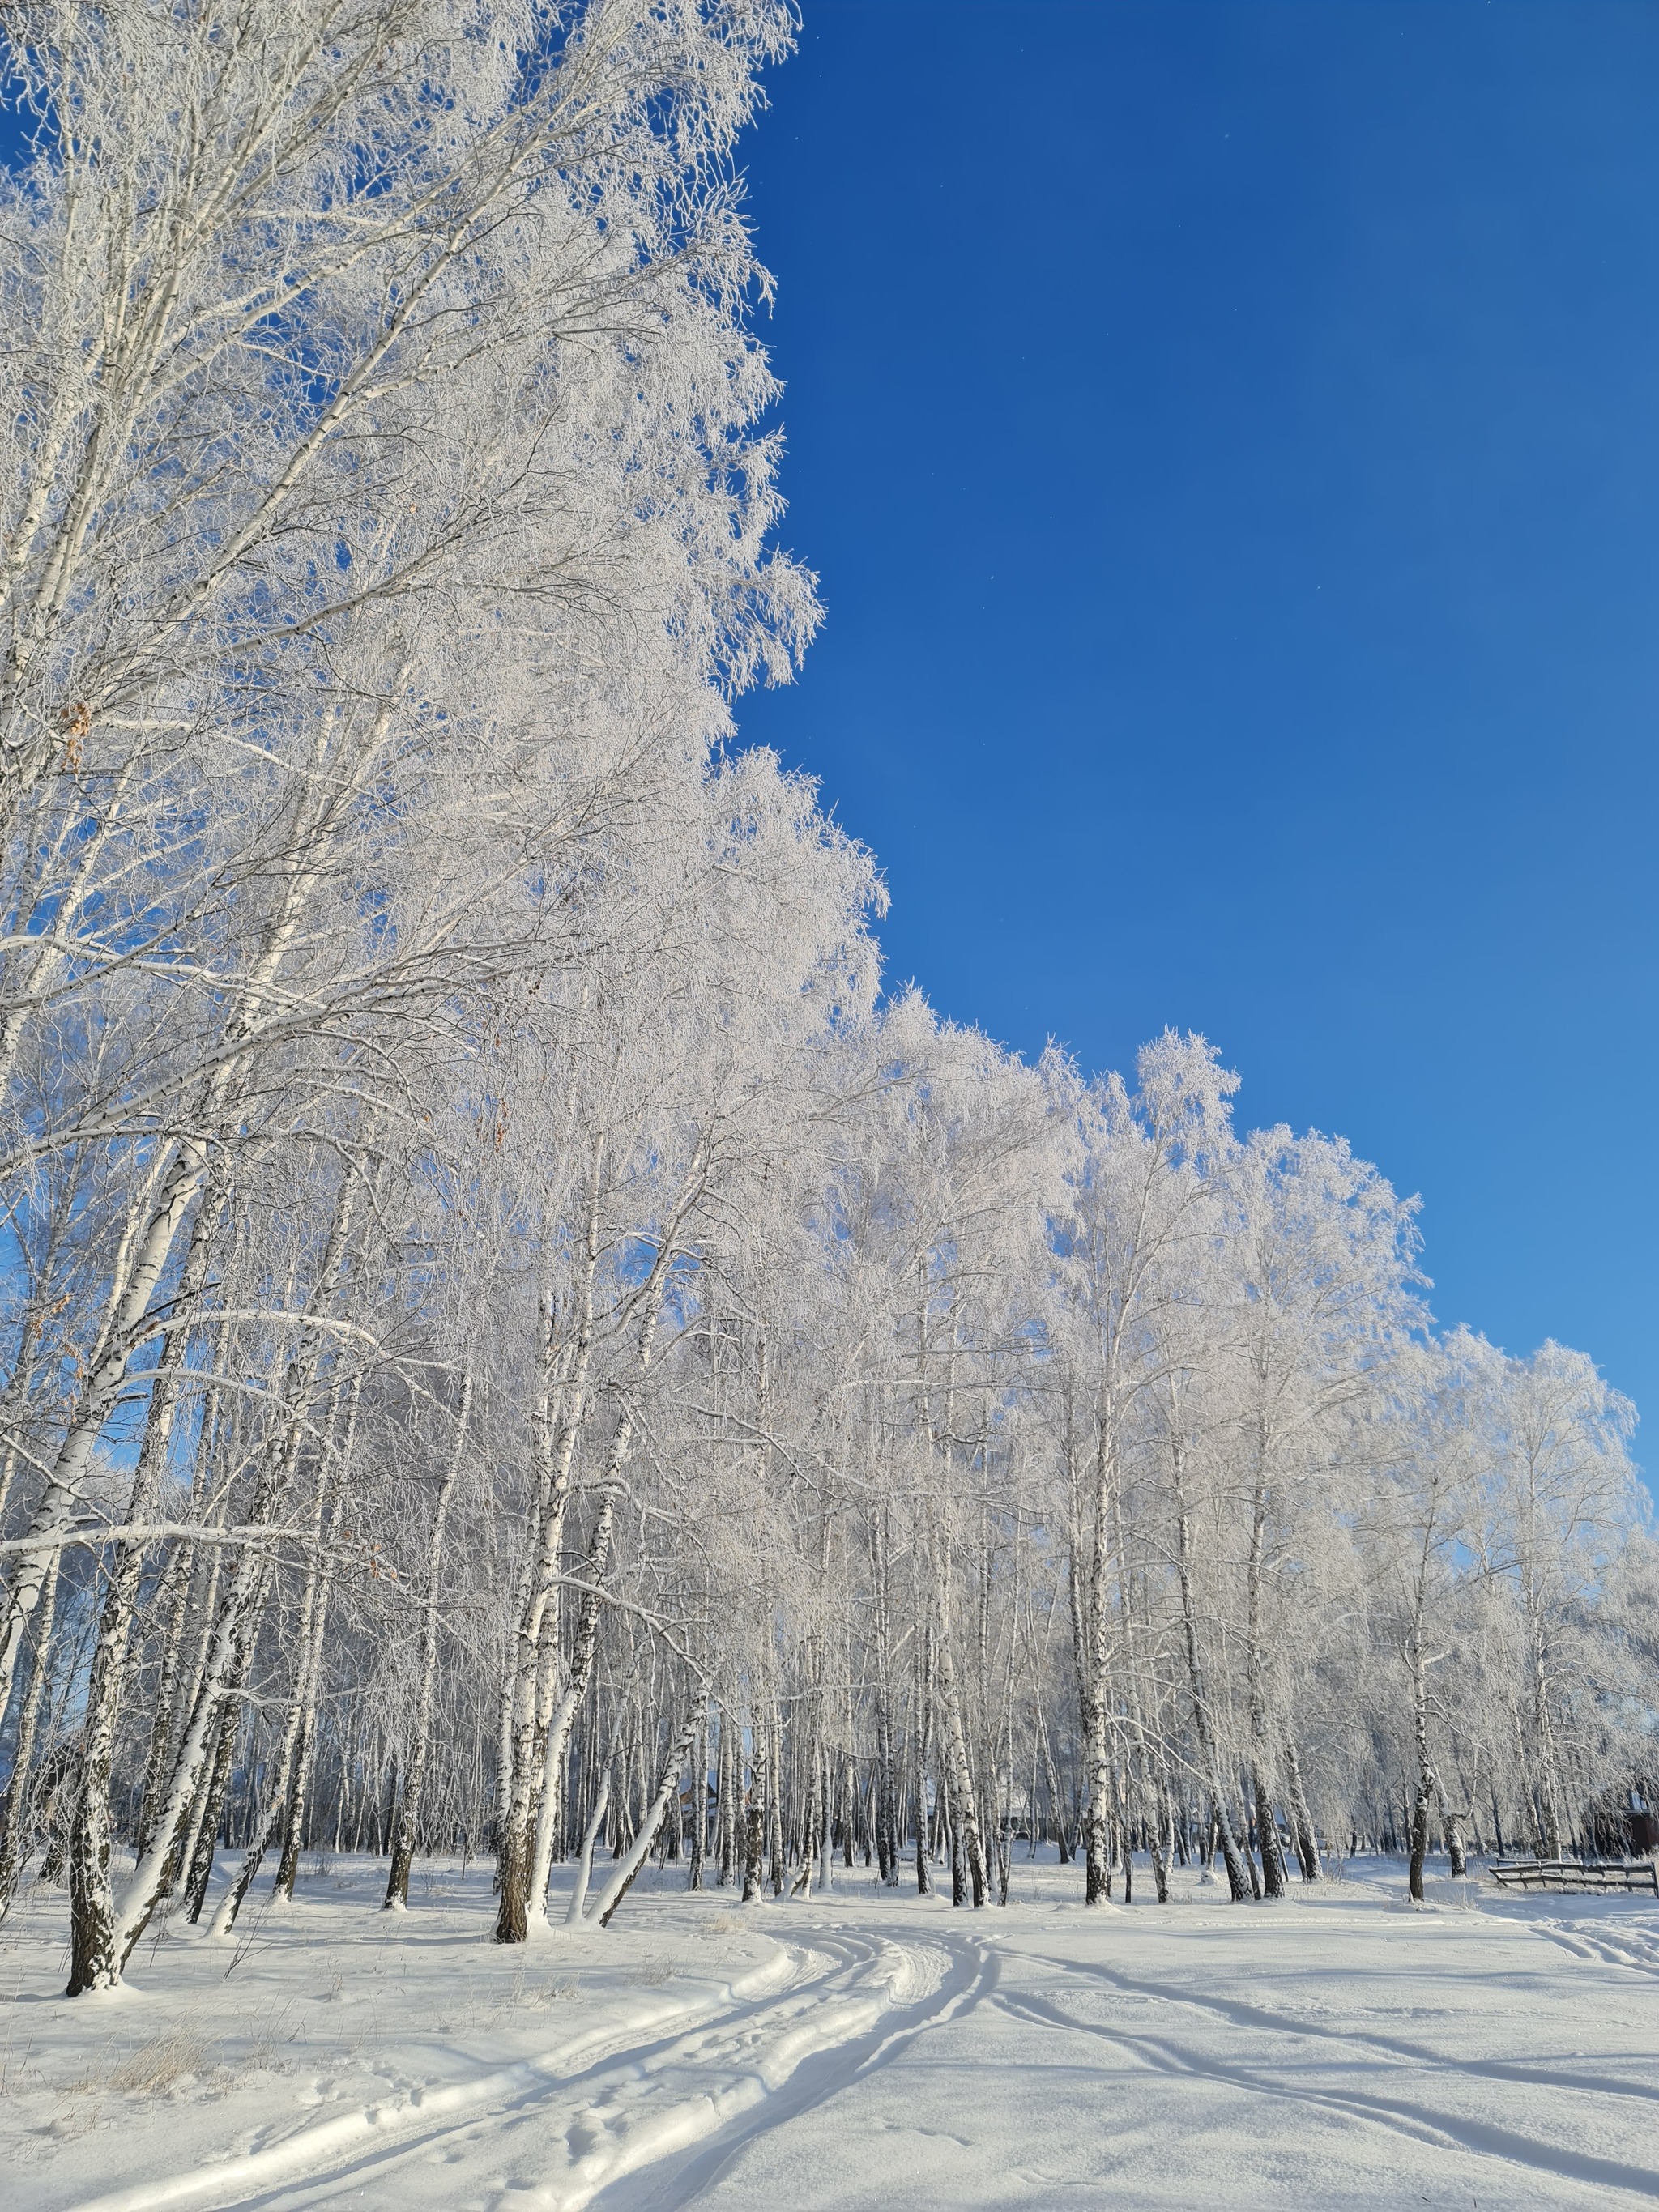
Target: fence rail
<point>1596,1878</point>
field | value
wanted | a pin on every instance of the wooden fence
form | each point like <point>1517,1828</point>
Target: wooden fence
<point>1618,1876</point>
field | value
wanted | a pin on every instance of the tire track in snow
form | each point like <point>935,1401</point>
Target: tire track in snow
<point>971,1976</point>
<point>274,2170</point>
<point>631,2104</point>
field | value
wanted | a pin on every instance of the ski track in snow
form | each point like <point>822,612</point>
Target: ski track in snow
<point>1239,2013</point>
<point>590,2113</point>
<point>1634,1946</point>
<point>738,2081</point>
<point>1408,2116</point>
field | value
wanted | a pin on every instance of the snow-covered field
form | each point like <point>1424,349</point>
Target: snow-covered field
<point>866,2049</point>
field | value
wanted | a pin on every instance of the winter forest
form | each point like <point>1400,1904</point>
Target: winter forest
<point>514,1348</point>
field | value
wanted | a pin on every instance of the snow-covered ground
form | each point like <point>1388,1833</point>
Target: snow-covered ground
<point>866,2049</point>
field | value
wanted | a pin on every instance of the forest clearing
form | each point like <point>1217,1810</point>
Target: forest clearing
<point>632,1568</point>
<point>862,2048</point>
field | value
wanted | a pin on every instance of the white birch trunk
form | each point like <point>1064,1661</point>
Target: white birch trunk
<point>409,1816</point>
<point>576,1910</point>
<point>639,1850</point>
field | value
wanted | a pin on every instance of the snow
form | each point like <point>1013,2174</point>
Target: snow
<point>863,2049</point>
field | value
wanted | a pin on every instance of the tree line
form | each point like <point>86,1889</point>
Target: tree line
<point>512,1346</point>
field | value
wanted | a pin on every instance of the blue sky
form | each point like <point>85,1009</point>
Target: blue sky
<point>1227,437</point>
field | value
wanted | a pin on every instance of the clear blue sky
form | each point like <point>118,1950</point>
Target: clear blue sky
<point>1227,435</point>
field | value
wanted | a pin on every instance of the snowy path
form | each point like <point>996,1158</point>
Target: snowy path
<point>865,2049</point>
<point>565,2126</point>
